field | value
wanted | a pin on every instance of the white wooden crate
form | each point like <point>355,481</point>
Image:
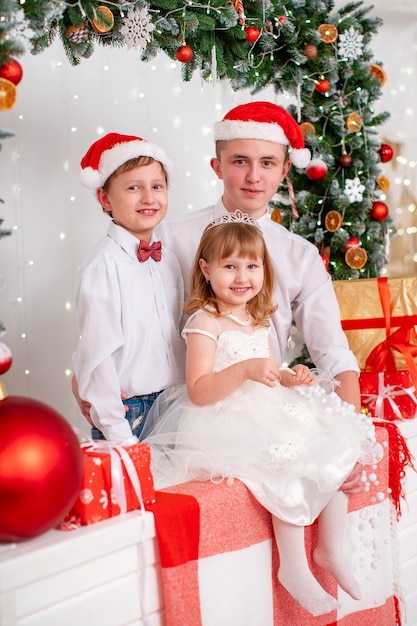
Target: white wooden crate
<point>106,574</point>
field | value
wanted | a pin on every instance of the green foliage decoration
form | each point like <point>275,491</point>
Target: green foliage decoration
<point>290,55</point>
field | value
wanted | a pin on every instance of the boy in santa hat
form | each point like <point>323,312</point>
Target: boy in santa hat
<point>256,144</point>
<point>129,296</point>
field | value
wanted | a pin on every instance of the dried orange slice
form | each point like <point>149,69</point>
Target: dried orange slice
<point>354,122</point>
<point>328,33</point>
<point>379,72</point>
<point>333,221</point>
<point>356,258</point>
<point>306,128</point>
<point>103,21</point>
<point>276,216</point>
<point>383,183</point>
<point>7,94</point>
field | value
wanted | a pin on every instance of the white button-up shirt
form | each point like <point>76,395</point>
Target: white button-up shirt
<point>304,290</point>
<point>129,316</point>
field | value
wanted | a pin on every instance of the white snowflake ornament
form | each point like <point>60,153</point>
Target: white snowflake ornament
<point>350,44</point>
<point>354,189</point>
<point>137,28</point>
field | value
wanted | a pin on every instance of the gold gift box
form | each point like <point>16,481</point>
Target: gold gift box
<point>362,314</point>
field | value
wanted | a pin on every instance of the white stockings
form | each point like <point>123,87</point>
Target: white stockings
<point>294,571</point>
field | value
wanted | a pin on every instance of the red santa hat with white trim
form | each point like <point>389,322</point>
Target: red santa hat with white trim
<point>265,121</point>
<point>110,152</point>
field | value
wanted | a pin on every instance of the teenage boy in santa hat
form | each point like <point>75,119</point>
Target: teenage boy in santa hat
<point>130,291</point>
<point>256,143</point>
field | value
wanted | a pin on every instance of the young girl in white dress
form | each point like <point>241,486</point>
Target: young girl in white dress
<point>242,416</point>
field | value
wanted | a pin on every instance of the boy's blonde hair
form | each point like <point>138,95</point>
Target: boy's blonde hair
<point>219,242</point>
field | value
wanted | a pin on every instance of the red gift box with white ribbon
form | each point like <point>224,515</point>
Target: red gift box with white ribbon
<point>117,478</point>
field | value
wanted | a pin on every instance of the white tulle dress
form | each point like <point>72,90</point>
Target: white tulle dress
<point>292,447</point>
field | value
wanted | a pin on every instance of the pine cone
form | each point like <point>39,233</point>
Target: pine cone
<point>77,34</point>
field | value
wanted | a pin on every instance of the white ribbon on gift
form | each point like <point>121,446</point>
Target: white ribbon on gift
<point>388,392</point>
<point>119,459</point>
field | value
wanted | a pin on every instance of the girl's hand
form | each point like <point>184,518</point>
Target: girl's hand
<point>298,375</point>
<point>264,371</point>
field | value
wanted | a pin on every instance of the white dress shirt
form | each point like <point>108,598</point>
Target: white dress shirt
<point>129,316</point>
<point>304,290</point>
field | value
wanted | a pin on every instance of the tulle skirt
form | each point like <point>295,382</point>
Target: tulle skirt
<point>292,447</point>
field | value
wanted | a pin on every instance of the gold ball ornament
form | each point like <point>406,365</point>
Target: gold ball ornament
<point>307,128</point>
<point>356,258</point>
<point>328,33</point>
<point>103,21</point>
<point>276,216</point>
<point>333,221</point>
<point>379,72</point>
<point>8,93</point>
<point>354,122</point>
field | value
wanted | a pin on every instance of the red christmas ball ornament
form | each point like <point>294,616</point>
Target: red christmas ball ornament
<point>6,358</point>
<point>12,70</point>
<point>322,86</point>
<point>352,242</point>
<point>41,467</point>
<point>345,160</point>
<point>379,211</point>
<point>282,19</point>
<point>386,153</point>
<point>252,34</point>
<point>316,169</point>
<point>184,54</point>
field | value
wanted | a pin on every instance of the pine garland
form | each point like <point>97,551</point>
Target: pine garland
<point>292,55</point>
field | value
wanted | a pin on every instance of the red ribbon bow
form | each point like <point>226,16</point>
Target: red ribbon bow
<point>145,251</point>
<point>381,357</point>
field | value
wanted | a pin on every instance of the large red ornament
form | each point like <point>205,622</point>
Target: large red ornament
<point>41,468</point>
<point>6,358</point>
<point>252,34</point>
<point>322,86</point>
<point>316,169</point>
<point>184,54</point>
<point>386,153</point>
<point>12,70</point>
<point>379,211</point>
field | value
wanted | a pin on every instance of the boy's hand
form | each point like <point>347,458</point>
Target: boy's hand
<point>353,484</point>
<point>85,406</point>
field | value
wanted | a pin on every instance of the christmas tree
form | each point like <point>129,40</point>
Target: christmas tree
<point>307,48</point>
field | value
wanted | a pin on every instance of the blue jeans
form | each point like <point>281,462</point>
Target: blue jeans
<point>139,407</point>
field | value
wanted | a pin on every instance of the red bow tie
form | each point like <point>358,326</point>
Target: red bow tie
<point>145,251</point>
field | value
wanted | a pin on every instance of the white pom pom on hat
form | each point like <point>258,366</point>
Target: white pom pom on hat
<point>110,152</point>
<point>265,121</point>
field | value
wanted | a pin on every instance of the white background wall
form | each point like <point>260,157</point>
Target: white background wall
<point>61,110</point>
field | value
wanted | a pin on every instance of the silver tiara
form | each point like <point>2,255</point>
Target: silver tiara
<point>233,218</point>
